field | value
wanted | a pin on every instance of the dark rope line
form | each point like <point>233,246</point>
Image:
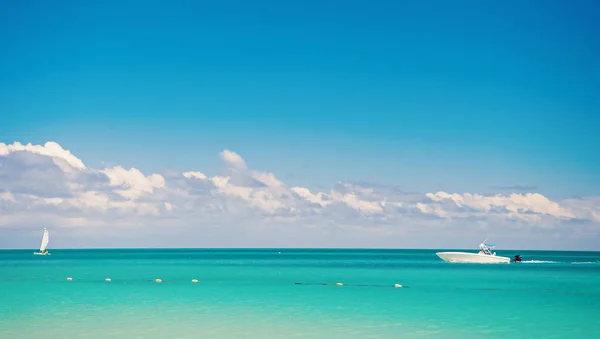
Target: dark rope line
<point>357,285</point>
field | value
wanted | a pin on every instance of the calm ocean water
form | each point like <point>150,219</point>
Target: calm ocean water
<point>252,294</point>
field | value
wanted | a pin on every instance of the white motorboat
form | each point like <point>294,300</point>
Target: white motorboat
<point>485,256</point>
<point>43,244</point>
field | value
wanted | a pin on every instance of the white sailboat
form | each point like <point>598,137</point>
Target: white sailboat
<point>485,256</point>
<point>44,244</point>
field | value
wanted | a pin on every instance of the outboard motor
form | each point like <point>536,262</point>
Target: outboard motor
<point>517,258</point>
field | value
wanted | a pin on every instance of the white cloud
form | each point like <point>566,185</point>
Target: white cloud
<point>268,179</point>
<point>233,159</point>
<point>354,202</point>
<point>349,199</point>
<point>135,184</point>
<point>320,198</point>
<point>195,175</point>
<point>586,208</point>
<point>49,184</point>
<point>7,196</point>
<point>50,149</point>
<point>432,209</point>
<point>516,205</point>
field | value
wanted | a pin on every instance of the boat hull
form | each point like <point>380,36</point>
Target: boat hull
<point>40,253</point>
<point>473,258</point>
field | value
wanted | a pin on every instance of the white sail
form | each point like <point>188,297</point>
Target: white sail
<point>45,239</point>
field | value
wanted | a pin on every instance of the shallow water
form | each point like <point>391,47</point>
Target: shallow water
<point>253,294</point>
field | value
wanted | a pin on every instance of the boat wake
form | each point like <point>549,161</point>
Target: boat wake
<point>559,262</point>
<point>585,262</point>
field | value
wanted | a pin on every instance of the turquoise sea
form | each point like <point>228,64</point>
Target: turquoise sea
<point>253,293</point>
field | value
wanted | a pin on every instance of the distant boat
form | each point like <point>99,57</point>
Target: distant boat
<point>485,256</point>
<point>43,244</point>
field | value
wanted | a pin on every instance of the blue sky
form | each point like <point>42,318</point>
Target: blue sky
<point>493,93</point>
<point>458,96</point>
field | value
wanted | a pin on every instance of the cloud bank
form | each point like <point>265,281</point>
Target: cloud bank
<point>48,186</point>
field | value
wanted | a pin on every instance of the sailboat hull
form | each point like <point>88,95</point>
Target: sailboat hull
<point>40,253</point>
<point>473,258</point>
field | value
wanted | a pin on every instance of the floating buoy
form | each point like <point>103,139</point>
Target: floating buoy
<point>194,280</point>
<point>69,278</point>
<point>398,286</point>
<point>108,279</point>
<point>158,280</point>
<point>339,284</point>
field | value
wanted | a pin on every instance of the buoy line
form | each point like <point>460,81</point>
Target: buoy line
<point>357,285</point>
<point>134,280</point>
<point>158,280</point>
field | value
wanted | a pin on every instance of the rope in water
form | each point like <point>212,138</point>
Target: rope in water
<point>296,283</point>
<point>357,285</point>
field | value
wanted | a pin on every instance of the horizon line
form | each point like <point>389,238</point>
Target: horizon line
<point>287,248</point>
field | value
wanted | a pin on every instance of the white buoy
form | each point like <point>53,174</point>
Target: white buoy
<point>339,284</point>
<point>398,286</point>
<point>108,279</point>
<point>158,280</point>
<point>69,278</point>
<point>194,280</point>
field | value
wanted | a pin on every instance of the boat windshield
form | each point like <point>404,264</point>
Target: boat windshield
<point>485,248</point>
